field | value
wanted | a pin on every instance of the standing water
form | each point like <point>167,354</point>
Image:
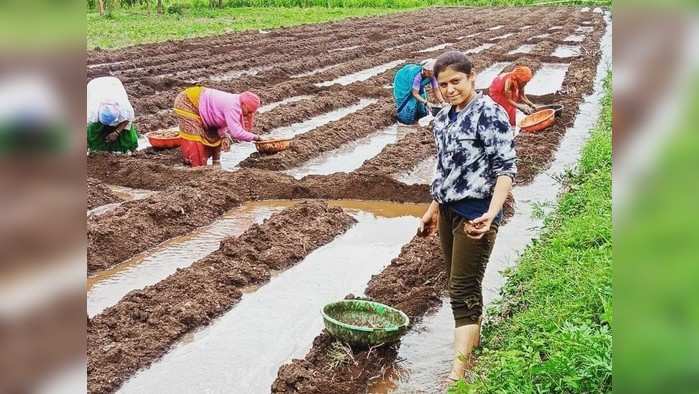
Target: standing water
<point>361,75</point>
<point>241,351</point>
<point>485,77</point>
<point>349,157</point>
<point>426,350</point>
<point>525,48</point>
<point>241,151</point>
<point>563,51</point>
<point>479,48</point>
<point>548,79</point>
<point>107,287</point>
<point>271,106</point>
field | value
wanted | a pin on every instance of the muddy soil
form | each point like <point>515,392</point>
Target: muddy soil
<point>138,225</point>
<point>331,136</point>
<point>146,323</point>
<point>413,283</point>
<point>124,341</point>
<point>99,194</point>
<point>403,155</point>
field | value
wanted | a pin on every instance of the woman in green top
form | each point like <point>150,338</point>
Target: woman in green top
<point>109,117</point>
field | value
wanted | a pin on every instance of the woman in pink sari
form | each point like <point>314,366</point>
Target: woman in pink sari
<point>209,117</point>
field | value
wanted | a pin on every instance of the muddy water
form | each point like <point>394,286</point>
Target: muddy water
<point>585,29</point>
<point>362,75</point>
<point>563,51</point>
<point>426,349</point>
<point>344,49</point>
<point>108,287</point>
<point>242,350</point>
<point>271,106</point>
<point>555,28</point>
<point>525,48</point>
<point>502,36</point>
<point>349,157</point>
<point>545,35</point>
<point>315,71</point>
<point>480,48</point>
<point>125,193</point>
<point>548,79</point>
<point>422,174</point>
<point>496,28</point>
<point>485,77</point>
<point>241,151</point>
<point>575,38</point>
<point>238,73</point>
<point>435,48</point>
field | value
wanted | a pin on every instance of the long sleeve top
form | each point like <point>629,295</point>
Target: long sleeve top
<point>222,110</point>
<point>474,147</point>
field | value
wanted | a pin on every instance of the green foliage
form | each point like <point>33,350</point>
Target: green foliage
<point>552,331</point>
<point>134,26</point>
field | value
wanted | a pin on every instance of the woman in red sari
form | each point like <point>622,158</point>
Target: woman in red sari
<point>507,89</point>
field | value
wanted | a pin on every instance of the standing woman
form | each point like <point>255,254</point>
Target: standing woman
<point>208,117</point>
<point>474,174</point>
<point>409,92</point>
<point>507,89</point>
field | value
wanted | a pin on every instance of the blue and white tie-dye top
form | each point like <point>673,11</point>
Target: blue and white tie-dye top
<point>474,147</point>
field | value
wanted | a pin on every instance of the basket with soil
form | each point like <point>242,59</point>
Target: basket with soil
<point>364,323</point>
<point>164,139</point>
<point>270,147</point>
<point>537,121</point>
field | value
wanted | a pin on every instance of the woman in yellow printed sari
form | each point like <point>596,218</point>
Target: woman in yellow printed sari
<point>208,117</point>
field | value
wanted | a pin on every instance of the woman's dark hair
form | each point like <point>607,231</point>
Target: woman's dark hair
<point>456,60</point>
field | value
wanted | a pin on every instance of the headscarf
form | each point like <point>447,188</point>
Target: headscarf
<point>428,64</point>
<point>251,102</point>
<point>521,74</point>
<point>109,114</point>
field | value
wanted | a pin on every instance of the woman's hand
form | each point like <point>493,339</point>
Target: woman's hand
<point>429,221</point>
<point>477,227</point>
<point>226,144</point>
<point>111,137</point>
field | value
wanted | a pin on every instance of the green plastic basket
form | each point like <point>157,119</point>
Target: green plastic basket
<point>364,323</point>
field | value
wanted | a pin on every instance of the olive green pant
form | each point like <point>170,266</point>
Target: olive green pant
<point>466,259</point>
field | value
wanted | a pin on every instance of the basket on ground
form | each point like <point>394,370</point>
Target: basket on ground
<point>364,323</point>
<point>161,140</point>
<point>558,108</point>
<point>272,146</point>
<point>537,121</point>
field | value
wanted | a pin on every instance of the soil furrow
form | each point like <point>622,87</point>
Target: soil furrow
<point>146,323</point>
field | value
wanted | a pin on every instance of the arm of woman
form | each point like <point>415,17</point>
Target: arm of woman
<point>498,141</point>
<point>236,130</point>
<point>416,94</point>
<point>430,220</point>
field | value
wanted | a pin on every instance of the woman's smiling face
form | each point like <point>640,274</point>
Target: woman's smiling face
<point>457,87</point>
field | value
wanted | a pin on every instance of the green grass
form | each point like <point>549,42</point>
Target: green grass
<point>192,18</point>
<point>129,27</point>
<point>552,331</point>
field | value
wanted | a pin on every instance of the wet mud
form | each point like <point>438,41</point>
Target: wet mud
<point>143,326</point>
<point>328,137</point>
<point>99,194</point>
<point>413,283</point>
<point>146,323</point>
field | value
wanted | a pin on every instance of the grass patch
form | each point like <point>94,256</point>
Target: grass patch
<point>134,26</point>
<point>552,330</point>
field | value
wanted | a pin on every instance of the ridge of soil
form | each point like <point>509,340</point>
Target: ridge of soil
<point>146,323</point>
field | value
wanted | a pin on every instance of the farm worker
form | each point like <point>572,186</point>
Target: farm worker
<point>409,91</point>
<point>110,117</point>
<point>209,117</point>
<point>474,174</point>
<point>507,89</point>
